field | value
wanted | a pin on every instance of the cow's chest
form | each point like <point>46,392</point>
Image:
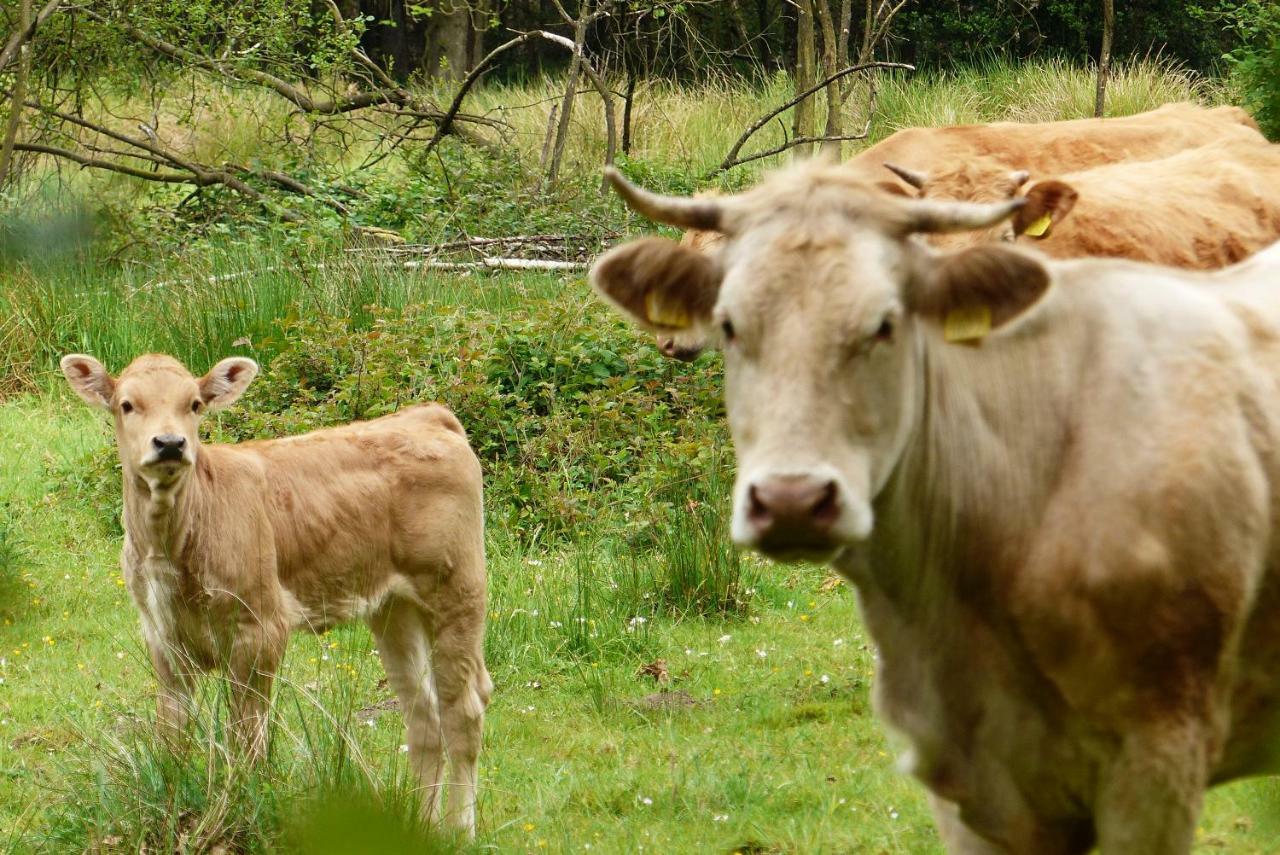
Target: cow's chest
<point>978,732</point>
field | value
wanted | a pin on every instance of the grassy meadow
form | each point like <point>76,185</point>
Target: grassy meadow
<point>607,472</point>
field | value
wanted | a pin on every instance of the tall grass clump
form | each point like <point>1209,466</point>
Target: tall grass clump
<point>132,790</point>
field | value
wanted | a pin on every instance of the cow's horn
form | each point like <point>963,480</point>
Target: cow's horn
<point>915,179</point>
<point>928,215</point>
<point>679,211</point>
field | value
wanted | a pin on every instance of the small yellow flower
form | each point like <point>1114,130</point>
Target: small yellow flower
<point>808,672</point>
<point>804,617</point>
<point>715,691</point>
<point>529,826</point>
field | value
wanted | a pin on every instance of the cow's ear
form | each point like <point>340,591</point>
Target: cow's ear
<point>227,381</point>
<point>1048,202</point>
<point>973,292</point>
<point>89,380</point>
<point>660,285</point>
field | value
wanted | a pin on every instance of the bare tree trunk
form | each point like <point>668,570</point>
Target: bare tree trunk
<point>570,90</point>
<point>1104,56</point>
<point>19,96</point>
<point>740,24</point>
<point>803,123</point>
<point>447,40</point>
<point>830,146</point>
<point>628,98</point>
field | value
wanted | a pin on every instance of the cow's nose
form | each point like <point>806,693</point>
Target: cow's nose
<point>793,512</point>
<point>169,446</point>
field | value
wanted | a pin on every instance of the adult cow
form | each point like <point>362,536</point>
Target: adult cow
<point>1053,484</point>
<point>1202,208</point>
<point>228,548</point>
<point>1045,148</point>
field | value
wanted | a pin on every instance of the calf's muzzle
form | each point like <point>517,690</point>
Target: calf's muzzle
<point>169,447</point>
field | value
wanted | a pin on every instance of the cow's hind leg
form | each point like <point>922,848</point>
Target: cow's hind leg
<point>464,688</point>
<point>401,632</point>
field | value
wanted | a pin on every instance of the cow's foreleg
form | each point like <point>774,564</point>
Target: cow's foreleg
<point>1151,793</point>
<point>464,687</point>
<point>401,633</point>
<point>958,838</point>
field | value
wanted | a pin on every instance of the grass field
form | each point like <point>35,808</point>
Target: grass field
<point>606,555</point>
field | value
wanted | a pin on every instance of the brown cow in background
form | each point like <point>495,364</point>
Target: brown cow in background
<point>1201,209</point>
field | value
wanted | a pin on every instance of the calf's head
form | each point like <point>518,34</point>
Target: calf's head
<point>157,405</point>
<point>823,303</point>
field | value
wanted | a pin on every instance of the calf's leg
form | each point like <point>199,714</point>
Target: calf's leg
<point>174,673</point>
<point>401,634</point>
<point>255,657</point>
<point>464,687</point>
<point>957,838</point>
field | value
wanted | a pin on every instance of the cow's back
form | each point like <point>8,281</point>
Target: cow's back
<point>354,507</point>
<point>1203,208</point>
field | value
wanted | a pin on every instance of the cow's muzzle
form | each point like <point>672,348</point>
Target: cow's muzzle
<point>794,516</point>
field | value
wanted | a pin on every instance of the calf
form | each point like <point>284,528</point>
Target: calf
<point>230,547</point>
<point>1053,484</point>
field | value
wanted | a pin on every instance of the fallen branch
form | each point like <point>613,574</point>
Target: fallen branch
<point>731,159</point>
<point>496,263</point>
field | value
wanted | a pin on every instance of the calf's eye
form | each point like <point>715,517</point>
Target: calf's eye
<point>728,330</point>
<point>126,407</point>
<point>195,406</point>
<point>885,331</point>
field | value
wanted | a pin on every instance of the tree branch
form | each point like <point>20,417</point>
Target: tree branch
<point>26,32</point>
<point>730,159</point>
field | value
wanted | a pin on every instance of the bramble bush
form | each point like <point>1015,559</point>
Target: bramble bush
<point>577,420</point>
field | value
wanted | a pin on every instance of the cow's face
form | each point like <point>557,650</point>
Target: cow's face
<point>157,406</point>
<point>1046,203</point>
<point>819,299</point>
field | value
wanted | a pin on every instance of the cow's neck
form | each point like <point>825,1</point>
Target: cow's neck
<point>157,516</point>
<point>991,435</point>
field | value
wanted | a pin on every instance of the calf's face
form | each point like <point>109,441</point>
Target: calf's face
<point>819,299</point>
<point>157,405</point>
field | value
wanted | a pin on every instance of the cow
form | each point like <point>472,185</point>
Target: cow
<point>1202,208</point>
<point>1053,484</point>
<point>1041,147</point>
<point>228,548</point>
<point>977,162</point>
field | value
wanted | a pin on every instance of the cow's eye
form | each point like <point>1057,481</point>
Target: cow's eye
<point>195,406</point>
<point>126,407</point>
<point>885,331</point>
<point>727,328</point>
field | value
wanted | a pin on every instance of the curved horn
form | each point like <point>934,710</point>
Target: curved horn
<point>928,215</point>
<point>679,211</point>
<point>1019,177</point>
<point>915,179</point>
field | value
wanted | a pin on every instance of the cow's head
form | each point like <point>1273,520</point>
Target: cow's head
<point>823,303</point>
<point>157,406</point>
<point>1048,201</point>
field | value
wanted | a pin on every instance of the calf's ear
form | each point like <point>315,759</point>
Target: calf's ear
<point>1048,202</point>
<point>660,285</point>
<point>227,381</point>
<point>979,290</point>
<point>89,379</point>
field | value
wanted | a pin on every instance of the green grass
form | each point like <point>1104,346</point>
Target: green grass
<point>607,476</point>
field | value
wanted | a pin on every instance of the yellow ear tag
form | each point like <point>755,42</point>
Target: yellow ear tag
<point>662,313</point>
<point>968,324</point>
<point>1040,228</point>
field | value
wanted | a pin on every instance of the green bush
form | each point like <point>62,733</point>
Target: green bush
<point>577,420</point>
